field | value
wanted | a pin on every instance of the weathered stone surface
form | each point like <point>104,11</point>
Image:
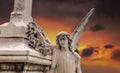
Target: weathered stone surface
<point>13,29</point>
<point>19,67</point>
<point>16,56</point>
<point>22,11</point>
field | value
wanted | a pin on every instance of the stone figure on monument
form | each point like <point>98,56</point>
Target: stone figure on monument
<point>65,59</point>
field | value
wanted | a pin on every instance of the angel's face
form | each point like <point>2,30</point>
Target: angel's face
<point>63,41</point>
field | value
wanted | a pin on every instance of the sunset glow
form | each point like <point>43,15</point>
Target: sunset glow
<point>101,55</point>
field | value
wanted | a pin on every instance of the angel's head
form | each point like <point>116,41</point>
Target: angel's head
<point>63,40</point>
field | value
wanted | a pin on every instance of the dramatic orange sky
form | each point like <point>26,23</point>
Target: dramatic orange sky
<point>97,49</point>
<point>99,45</point>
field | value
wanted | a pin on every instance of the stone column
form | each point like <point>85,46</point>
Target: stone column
<point>22,11</point>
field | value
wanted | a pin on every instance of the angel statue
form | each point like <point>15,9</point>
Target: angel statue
<point>64,57</point>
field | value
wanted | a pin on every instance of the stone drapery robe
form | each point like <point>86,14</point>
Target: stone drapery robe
<point>65,62</point>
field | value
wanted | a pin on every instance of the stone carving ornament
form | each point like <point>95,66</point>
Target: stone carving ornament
<point>37,39</point>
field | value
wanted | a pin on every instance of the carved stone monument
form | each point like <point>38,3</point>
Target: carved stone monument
<point>16,56</point>
<point>24,47</point>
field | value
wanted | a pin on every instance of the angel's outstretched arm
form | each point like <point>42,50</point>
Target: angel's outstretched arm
<point>79,29</point>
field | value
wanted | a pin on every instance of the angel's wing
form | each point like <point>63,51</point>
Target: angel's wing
<point>76,34</point>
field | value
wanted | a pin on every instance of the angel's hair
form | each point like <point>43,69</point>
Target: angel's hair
<point>61,34</point>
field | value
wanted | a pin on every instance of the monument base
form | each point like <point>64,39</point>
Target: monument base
<point>22,68</point>
<point>17,57</point>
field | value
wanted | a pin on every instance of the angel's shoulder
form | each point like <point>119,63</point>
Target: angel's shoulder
<point>55,49</point>
<point>77,55</point>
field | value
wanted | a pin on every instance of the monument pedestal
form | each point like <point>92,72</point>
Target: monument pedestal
<point>16,56</point>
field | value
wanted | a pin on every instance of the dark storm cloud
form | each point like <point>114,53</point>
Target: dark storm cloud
<point>66,1</point>
<point>116,55</point>
<point>109,8</point>
<point>108,46</point>
<point>65,8</point>
<point>62,8</point>
<point>87,52</point>
<point>96,27</point>
<point>6,6</point>
<point>53,10</point>
<point>106,8</point>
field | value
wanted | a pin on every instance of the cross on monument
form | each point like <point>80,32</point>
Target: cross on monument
<point>22,11</point>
